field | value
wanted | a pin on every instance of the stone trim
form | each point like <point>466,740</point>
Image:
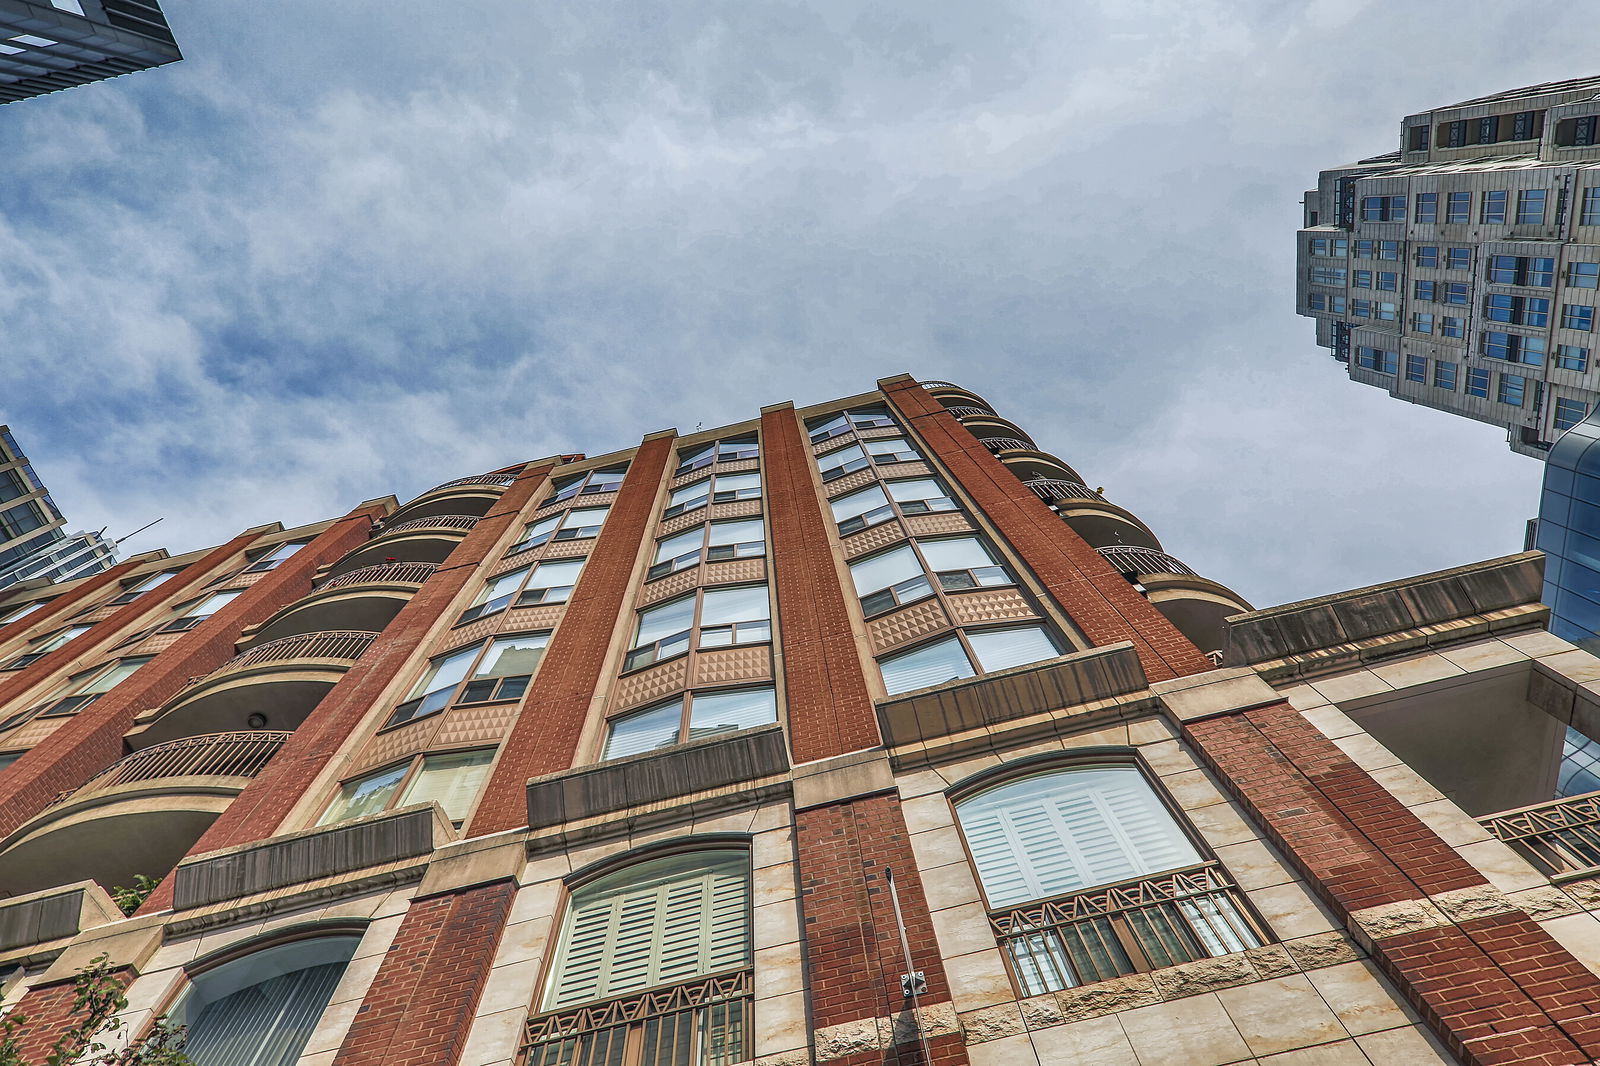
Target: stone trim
<point>54,914</point>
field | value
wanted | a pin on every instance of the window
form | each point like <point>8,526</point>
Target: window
<point>1458,208</point>
<point>1388,249</point>
<point>451,779</point>
<point>1387,312</point>
<point>1361,279</point>
<point>1452,327</point>
<point>723,488</point>
<point>1427,204</point>
<point>1417,140</point>
<point>260,1010</point>
<point>1572,357</point>
<point>1456,293</point>
<point>1530,207</point>
<point>1569,412</point>
<point>1361,308</point>
<point>1378,359</point>
<point>579,523</point>
<point>544,583</point>
<point>1421,323</point>
<point>867,507</point>
<point>134,591</point>
<point>890,579</point>
<point>9,757</point>
<point>12,484</point>
<point>1514,348</point>
<point>1577,316</point>
<point>1477,382</point>
<point>721,451</point>
<point>1383,209</point>
<point>1458,259</point>
<point>193,614</point>
<point>1583,275</point>
<point>963,563</point>
<point>1444,375</point>
<point>1589,215</point>
<point>1494,208</point>
<point>277,555</point>
<point>680,921</point>
<point>1057,836</point>
<point>1512,388</point>
<point>1522,270</point>
<point>1326,247</point>
<point>822,429</point>
<point>689,717</point>
<point>961,655</point>
<point>738,538</point>
<point>1416,368</point>
<point>1388,281</point>
<point>88,687</point>
<point>1319,276</point>
<point>1428,255</point>
<point>1365,249</point>
<point>1424,290</point>
<point>500,671</point>
<point>594,482</point>
<point>44,647</point>
<point>1319,301</point>
<point>1521,310</point>
<point>21,612</point>
<point>724,616</point>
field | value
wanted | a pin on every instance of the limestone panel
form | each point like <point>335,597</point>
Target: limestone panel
<point>527,618</point>
<point>735,571</point>
<point>473,726</point>
<point>568,549</point>
<point>907,624</point>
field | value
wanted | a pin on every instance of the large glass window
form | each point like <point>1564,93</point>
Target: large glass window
<point>890,579</point>
<point>871,505</point>
<point>723,488</point>
<point>722,451</point>
<point>962,655</point>
<point>500,670</point>
<point>45,647</point>
<point>822,429</point>
<point>260,1010</point>
<point>88,687</point>
<point>1058,836</point>
<point>577,523</point>
<point>690,717</point>
<point>738,538</point>
<point>531,586</point>
<point>594,482</point>
<point>1530,207</point>
<point>273,558</point>
<point>192,614</point>
<point>724,616</point>
<point>139,588</point>
<point>451,778</point>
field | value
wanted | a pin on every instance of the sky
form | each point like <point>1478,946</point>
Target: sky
<point>354,249</point>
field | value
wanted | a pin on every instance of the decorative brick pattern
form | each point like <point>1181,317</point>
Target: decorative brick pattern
<point>672,585</point>
<point>568,549</point>
<point>907,624</point>
<point>423,999</point>
<point>1100,601</point>
<point>653,684</point>
<point>737,466</point>
<point>599,499</point>
<point>850,482</point>
<point>870,540</point>
<point>475,726</point>
<point>997,605</point>
<point>385,748</point>
<point>734,572</point>
<point>726,665</point>
<point>932,525</point>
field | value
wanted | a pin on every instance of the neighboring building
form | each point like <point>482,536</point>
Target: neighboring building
<point>32,544</point>
<point>859,734</point>
<point>46,46</point>
<point>1460,271</point>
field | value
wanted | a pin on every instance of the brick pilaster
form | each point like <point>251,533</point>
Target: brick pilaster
<point>420,1005</point>
<point>49,1012</point>
<point>1099,600</point>
<point>545,737</point>
<point>829,704</point>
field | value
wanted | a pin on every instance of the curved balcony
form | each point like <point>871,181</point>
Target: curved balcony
<point>1000,443</point>
<point>1135,562</point>
<point>275,684</point>
<point>1037,466</point>
<point>138,816</point>
<point>1197,606</point>
<point>1056,490</point>
<point>948,392</point>
<point>464,496</point>
<point>365,600</point>
<point>990,425</point>
<point>429,539</point>
<point>965,410</point>
<point>1105,525</point>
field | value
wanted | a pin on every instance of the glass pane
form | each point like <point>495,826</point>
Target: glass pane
<point>682,544</point>
<point>888,446</point>
<point>444,673</point>
<point>504,585</point>
<point>451,780</point>
<point>743,604</point>
<point>665,619</point>
<point>109,680</point>
<point>512,656</point>
<point>884,569</point>
<point>694,490</point>
<point>956,553</point>
<point>735,482</point>
<point>723,712</point>
<point>541,528</point>
<point>738,532</point>
<point>999,649</point>
<point>922,488</point>
<point>933,664</point>
<point>585,516</point>
<point>833,460</point>
<point>858,503</point>
<point>364,795</point>
<point>212,604</point>
<point>556,575</point>
<point>654,727</point>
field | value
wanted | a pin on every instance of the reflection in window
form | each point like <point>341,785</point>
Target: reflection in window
<point>544,583</point>
<point>739,538</point>
<point>452,779</point>
<point>578,523</point>
<point>727,616</point>
<point>690,717</point>
<point>1580,765</point>
<point>949,659</point>
<point>499,672</point>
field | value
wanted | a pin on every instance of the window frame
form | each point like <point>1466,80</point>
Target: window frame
<point>36,649</point>
<point>853,420</point>
<point>413,763</point>
<point>712,494</point>
<point>468,678</point>
<point>685,701</point>
<point>694,634</point>
<point>974,660</point>
<point>514,599</point>
<point>560,531</point>
<point>744,549</point>
<point>584,484</point>
<point>932,580</point>
<point>185,621</point>
<point>711,453</point>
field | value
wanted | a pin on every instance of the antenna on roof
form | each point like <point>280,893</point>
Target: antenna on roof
<point>130,536</point>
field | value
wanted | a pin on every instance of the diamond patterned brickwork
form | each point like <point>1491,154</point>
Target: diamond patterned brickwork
<point>30,733</point>
<point>990,605</point>
<point>928,525</point>
<point>672,585</point>
<point>599,499</point>
<point>653,684</point>
<point>568,549</point>
<point>738,466</point>
<point>726,665</point>
<point>409,739</point>
<point>477,726</point>
<point>907,624</point>
<point>734,572</point>
<point>871,539</point>
<point>155,643</point>
<point>850,482</point>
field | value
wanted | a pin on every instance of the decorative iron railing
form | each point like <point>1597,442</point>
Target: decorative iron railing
<point>212,755</point>
<point>1135,560</point>
<point>1006,444</point>
<point>969,411</point>
<point>706,1022</point>
<point>475,479</point>
<point>441,521</point>
<point>1050,489</point>
<point>1562,837</point>
<point>382,574</point>
<point>346,644</point>
<point>1120,929</point>
<point>940,385</point>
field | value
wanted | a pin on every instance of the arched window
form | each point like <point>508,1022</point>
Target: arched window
<point>260,1010</point>
<point>1088,876</point>
<point>652,967</point>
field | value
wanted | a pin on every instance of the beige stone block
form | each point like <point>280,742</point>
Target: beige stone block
<point>933,1020</point>
<point>1302,697</point>
<point>357,978</point>
<point>1272,960</point>
<point>1478,901</point>
<point>1290,911</point>
<point>923,813</point>
<point>1107,997</point>
<point>1398,919</point>
<point>1167,758</point>
<point>978,979</point>
<point>1192,790</point>
<point>956,772</point>
<point>1454,826</point>
<point>360,908</point>
<point>1204,975</point>
<point>396,902</point>
<point>1097,1041</point>
<point>963,930</point>
<point>1281,1015</point>
<point>1366,752</point>
<point>1350,686</point>
<point>920,783</point>
<point>177,953</point>
<point>937,847</point>
<point>1323,949</point>
<point>1585,893</point>
<point>1343,1053</point>
<point>1418,670</point>
<point>779,971</point>
<point>1574,665</point>
<point>1547,902</point>
<point>770,816</point>
<point>1186,1032</point>
<point>510,987</point>
<point>950,885</point>
<point>992,1023</point>
<point>1253,865</point>
<point>1151,730</point>
<point>1331,722</point>
<point>1406,785</point>
<point>773,884</point>
<point>549,867</point>
<point>1407,1046</point>
<point>1537,643</point>
<point>332,1026</point>
<point>1111,736</point>
<point>227,937</point>
<point>1006,1051</point>
<point>524,941</point>
<point>1358,997</point>
<point>797,1057</point>
<point>1221,824</point>
<point>775,924</point>
<point>1040,1012</point>
<point>773,847</point>
<point>1214,692</point>
<point>321,1058</point>
<point>378,936</point>
<point>1502,867</point>
<point>783,1026</point>
<point>152,990</point>
<point>494,1039</point>
<point>1579,934</point>
<point>1484,655</point>
<point>535,901</point>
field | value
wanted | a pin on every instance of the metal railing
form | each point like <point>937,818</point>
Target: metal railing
<point>346,644</point>
<point>1137,925</point>
<point>1049,489</point>
<point>1129,559</point>
<point>383,573</point>
<point>940,385</point>
<point>1562,837</point>
<point>442,521</point>
<point>1006,444</point>
<point>212,755</point>
<point>705,1022</point>
<point>475,479</point>
<point>962,410</point>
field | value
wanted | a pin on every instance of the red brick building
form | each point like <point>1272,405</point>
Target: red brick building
<point>859,733</point>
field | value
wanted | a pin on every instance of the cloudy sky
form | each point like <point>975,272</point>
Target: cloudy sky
<point>357,248</point>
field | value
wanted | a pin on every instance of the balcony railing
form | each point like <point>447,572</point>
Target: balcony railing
<point>1006,444</point>
<point>212,755</point>
<point>1137,925</point>
<point>475,479</point>
<point>940,385</point>
<point>1134,560</point>
<point>1562,837</point>
<point>442,521</point>
<point>345,644</point>
<point>1050,489</point>
<point>383,574</point>
<point>706,1022</point>
<point>968,411</point>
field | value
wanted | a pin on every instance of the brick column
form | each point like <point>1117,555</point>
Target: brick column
<point>49,1011</point>
<point>1100,601</point>
<point>830,707</point>
<point>1493,984</point>
<point>256,813</point>
<point>419,1008</point>
<point>545,737</point>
